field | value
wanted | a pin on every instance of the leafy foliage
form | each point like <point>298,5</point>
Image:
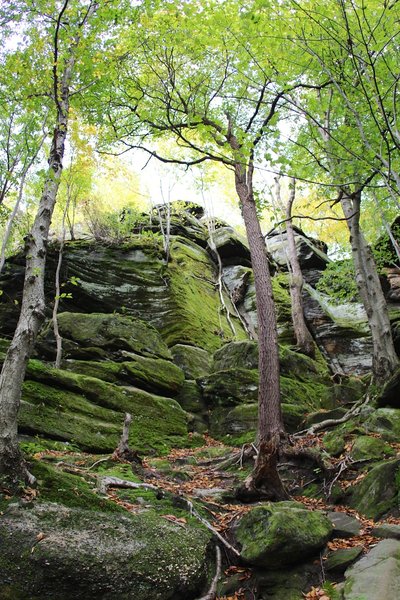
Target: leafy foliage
<point>338,282</point>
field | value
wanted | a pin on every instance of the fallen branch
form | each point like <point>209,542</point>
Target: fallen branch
<point>353,412</point>
<point>103,483</point>
<point>212,592</point>
<point>206,523</point>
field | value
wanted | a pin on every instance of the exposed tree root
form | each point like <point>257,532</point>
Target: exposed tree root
<point>264,482</point>
<point>212,592</point>
<point>123,451</point>
<point>353,412</point>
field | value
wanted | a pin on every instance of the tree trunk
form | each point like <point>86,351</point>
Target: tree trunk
<point>32,310</point>
<point>33,299</point>
<point>264,481</point>
<point>384,360</point>
<point>304,339</point>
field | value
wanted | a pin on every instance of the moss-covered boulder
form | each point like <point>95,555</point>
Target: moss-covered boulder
<point>386,422</point>
<point>339,560</point>
<point>83,554</point>
<point>90,412</point>
<point>242,419</point>
<point>104,335</point>
<point>370,448</point>
<point>231,246</point>
<point>179,298</point>
<point>230,387</point>
<point>194,362</point>
<point>151,374</point>
<point>280,534</point>
<point>378,493</point>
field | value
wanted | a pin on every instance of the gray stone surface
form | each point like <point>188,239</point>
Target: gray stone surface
<point>377,575</point>
<point>387,530</point>
<point>344,525</point>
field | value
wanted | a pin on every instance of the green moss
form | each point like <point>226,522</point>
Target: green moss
<point>370,448</point>
<point>90,412</point>
<point>378,492</point>
<point>154,375</point>
<point>281,293</point>
<point>283,533</point>
<point>69,490</point>
<point>199,319</point>
<point>110,332</point>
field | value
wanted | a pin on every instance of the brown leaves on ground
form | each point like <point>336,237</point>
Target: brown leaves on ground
<point>317,593</point>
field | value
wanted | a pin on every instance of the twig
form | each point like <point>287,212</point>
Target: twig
<point>105,482</point>
<point>204,521</point>
<point>212,592</point>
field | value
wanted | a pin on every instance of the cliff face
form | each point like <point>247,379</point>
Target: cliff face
<point>173,342</point>
<point>152,336</point>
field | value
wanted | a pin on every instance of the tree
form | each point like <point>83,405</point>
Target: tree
<point>349,133</point>
<point>64,29</point>
<point>216,90</point>
<point>304,340</point>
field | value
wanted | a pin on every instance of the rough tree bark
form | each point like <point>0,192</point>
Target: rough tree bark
<point>33,301</point>
<point>303,336</point>
<point>264,481</point>
<point>384,359</point>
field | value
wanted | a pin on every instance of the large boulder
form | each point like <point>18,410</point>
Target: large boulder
<point>385,422</point>
<point>194,362</point>
<point>378,493</point>
<point>231,247</point>
<point>376,575</point>
<point>51,551</point>
<point>101,335</point>
<point>284,533</point>
<point>311,252</point>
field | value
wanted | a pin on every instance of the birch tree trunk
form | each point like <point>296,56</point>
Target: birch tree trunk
<point>384,360</point>
<point>264,481</point>
<point>303,336</point>
<point>33,300</point>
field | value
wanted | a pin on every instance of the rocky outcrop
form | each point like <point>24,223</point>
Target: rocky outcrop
<point>312,253</point>
<point>53,551</point>
<point>282,533</point>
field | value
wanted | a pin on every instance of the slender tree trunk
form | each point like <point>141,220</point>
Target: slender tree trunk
<point>264,481</point>
<point>304,339</point>
<point>384,360</point>
<point>19,198</point>
<point>33,299</point>
<point>57,362</point>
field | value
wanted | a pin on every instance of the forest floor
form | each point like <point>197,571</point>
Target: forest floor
<point>185,478</point>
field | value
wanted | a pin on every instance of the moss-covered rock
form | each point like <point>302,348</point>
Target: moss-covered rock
<point>243,419</point>
<point>83,554</point>
<point>194,362</point>
<point>370,448</point>
<point>111,334</point>
<point>340,559</point>
<point>378,493</point>
<point>386,422</point>
<point>154,375</point>
<point>90,412</point>
<point>230,387</point>
<point>280,287</point>
<point>280,534</point>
